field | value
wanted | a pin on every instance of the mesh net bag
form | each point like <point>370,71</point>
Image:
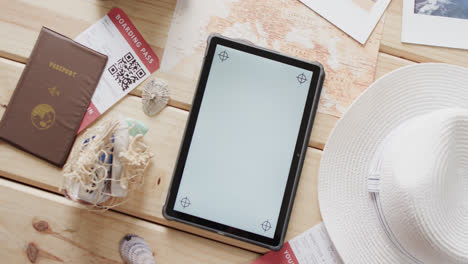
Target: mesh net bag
<point>108,165</point>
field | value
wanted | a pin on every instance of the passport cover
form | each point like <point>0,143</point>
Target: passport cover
<point>51,97</point>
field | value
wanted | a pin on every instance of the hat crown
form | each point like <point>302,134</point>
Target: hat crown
<point>424,185</point>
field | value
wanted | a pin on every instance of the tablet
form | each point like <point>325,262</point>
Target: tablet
<point>245,142</point>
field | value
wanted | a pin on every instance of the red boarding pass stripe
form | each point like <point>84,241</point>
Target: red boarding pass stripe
<point>91,114</point>
<point>134,39</point>
<point>284,256</point>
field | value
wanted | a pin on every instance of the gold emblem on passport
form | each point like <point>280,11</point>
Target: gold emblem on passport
<point>53,91</point>
<point>43,116</point>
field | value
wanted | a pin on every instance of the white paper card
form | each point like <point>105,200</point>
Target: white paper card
<point>435,22</point>
<point>314,246</point>
<point>130,61</point>
<point>357,18</point>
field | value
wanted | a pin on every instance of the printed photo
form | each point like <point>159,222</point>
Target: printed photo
<point>365,4</point>
<point>440,23</point>
<point>444,8</point>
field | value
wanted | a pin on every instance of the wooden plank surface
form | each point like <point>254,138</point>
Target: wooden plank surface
<point>164,137</point>
<point>21,22</point>
<point>51,229</point>
<point>165,129</point>
<point>324,124</point>
<point>387,63</point>
<point>391,42</point>
<point>165,133</point>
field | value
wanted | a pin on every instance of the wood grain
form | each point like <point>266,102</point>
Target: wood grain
<point>387,63</point>
<point>41,227</point>
<point>391,42</point>
<point>22,20</point>
<point>324,124</point>
<point>166,129</point>
<point>164,137</point>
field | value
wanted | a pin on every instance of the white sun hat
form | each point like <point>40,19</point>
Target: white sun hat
<point>393,180</point>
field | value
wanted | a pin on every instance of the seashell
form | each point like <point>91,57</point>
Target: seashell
<point>155,96</point>
<point>134,250</point>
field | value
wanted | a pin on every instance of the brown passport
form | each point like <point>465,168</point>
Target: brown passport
<point>51,97</point>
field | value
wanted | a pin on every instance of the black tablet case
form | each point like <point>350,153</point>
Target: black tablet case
<point>301,160</point>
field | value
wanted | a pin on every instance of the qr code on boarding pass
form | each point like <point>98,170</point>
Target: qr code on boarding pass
<point>127,71</point>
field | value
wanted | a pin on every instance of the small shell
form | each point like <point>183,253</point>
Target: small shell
<point>134,250</point>
<point>155,96</point>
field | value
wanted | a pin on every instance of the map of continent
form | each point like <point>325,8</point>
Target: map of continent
<point>286,26</point>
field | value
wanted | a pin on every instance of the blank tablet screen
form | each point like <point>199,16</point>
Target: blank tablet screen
<point>243,143</point>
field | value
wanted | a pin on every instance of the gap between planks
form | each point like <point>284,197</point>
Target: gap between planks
<point>60,196</point>
<point>323,123</point>
<point>391,42</point>
<point>167,130</point>
<point>63,231</point>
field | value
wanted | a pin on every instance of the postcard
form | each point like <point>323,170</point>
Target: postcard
<point>435,22</point>
<point>357,18</point>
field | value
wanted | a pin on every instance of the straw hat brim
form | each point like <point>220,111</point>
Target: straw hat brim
<point>346,206</point>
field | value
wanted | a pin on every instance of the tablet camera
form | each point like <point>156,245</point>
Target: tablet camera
<point>223,56</point>
<point>301,78</point>
<point>185,202</point>
<point>266,225</point>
